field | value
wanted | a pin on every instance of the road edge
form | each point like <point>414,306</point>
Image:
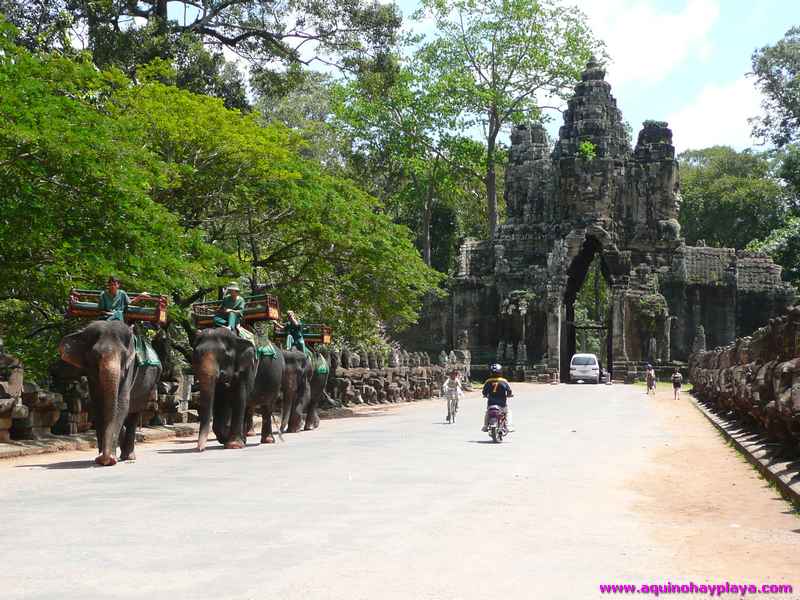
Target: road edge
<point>783,474</point>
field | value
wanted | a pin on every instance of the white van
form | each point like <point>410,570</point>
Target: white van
<point>584,367</point>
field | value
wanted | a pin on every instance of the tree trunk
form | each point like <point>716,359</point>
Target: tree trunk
<point>491,175</point>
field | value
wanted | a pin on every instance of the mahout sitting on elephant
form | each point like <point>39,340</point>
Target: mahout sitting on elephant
<point>225,367</point>
<point>119,386</point>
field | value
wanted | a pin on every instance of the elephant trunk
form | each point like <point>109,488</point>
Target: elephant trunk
<point>207,375</point>
<point>109,376</point>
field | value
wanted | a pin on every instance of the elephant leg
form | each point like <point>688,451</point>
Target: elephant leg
<point>296,416</point>
<point>129,437</point>
<point>312,418</point>
<point>208,407</point>
<point>266,423</point>
<point>248,423</point>
<point>108,454</point>
<point>300,401</point>
<point>238,396</point>
<point>286,406</point>
<point>221,419</point>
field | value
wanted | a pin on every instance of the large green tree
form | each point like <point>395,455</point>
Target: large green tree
<point>74,199</point>
<point>401,131</point>
<point>501,62</point>
<point>777,72</point>
<point>99,174</point>
<point>730,198</point>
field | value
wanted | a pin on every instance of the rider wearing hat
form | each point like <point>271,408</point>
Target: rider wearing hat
<point>496,391</point>
<point>231,310</point>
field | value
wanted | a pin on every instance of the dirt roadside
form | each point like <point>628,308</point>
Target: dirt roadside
<point>700,497</point>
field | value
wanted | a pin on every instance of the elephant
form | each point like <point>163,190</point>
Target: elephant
<point>225,367</point>
<point>266,392</point>
<point>318,383</point>
<point>119,388</point>
<point>295,389</point>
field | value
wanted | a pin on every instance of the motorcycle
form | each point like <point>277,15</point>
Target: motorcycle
<point>498,424</point>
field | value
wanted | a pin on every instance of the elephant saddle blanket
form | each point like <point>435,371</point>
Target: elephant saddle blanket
<point>268,350</point>
<point>145,353</point>
<point>318,362</point>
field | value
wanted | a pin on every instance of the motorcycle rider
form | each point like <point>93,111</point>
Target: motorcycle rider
<point>496,391</point>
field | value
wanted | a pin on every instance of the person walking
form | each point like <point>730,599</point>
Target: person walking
<point>677,381</point>
<point>650,378</point>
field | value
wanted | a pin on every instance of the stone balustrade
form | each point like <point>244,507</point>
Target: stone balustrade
<point>757,379</point>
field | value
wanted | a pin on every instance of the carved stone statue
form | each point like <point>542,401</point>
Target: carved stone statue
<point>522,354</point>
<point>652,349</point>
<point>501,352</point>
<point>699,343</point>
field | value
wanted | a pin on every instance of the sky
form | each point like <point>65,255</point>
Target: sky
<point>684,62</point>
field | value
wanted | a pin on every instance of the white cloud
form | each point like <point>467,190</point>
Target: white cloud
<point>717,116</point>
<point>646,43</point>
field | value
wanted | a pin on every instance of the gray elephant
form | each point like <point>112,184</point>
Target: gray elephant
<point>267,391</point>
<point>296,389</point>
<point>119,388</point>
<point>225,367</point>
<point>317,384</point>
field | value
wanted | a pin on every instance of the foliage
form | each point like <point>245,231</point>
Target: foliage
<point>307,107</point>
<point>402,141</point>
<point>496,60</point>
<point>730,198</point>
<point>309,236</point>
<point>74,200</point>
<point>777,72</point>
<point>592,305</point>
<point>783,246</point>
<point>587,151</point>
<point>101,175</point>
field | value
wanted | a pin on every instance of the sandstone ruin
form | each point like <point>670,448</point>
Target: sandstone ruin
<point>513,296</point>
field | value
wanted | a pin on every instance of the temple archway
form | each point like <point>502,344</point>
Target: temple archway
<point>581,328</point>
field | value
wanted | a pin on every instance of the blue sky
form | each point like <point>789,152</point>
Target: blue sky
<point>685,61</point>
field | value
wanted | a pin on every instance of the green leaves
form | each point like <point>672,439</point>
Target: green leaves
<point>777,71</point>
<point>729,198</point>
<point>175,193</point>
<point>501,61</point>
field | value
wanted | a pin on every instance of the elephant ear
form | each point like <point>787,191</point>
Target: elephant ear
<point>73,349</point>
<point>245,355</point>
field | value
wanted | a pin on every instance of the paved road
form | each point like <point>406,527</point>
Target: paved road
<point>597,485</point>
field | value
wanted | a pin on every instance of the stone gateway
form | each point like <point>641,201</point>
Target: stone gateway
<point>593,195</point>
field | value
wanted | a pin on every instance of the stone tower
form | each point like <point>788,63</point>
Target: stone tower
<point>593,195</point>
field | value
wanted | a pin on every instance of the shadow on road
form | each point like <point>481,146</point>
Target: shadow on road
<point>193,450</point>
<point>69,464</point>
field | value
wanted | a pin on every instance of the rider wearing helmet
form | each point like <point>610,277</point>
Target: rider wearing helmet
<point>496,391</point>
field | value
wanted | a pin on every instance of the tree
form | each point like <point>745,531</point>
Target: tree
<point>500,60</point>
<point>730,198</point>
<point>777,72</point>
<point>783,246</point>
<point>66,166</point>
<point>402,140</point>
<point>311,237</point>
<point>290,31</point>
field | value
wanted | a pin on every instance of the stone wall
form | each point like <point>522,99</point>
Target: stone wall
<point>372,376</point>
<point>756,378</point>
<point>26,411</point>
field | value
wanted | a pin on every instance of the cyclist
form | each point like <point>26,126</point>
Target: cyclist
<point>451,390</point>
